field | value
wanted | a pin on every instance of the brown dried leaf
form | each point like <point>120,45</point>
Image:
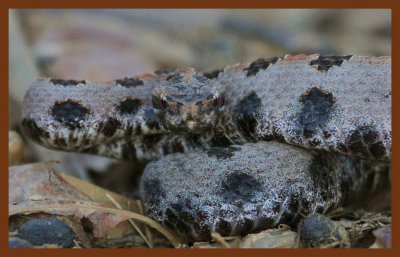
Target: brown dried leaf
<point>38,188</point>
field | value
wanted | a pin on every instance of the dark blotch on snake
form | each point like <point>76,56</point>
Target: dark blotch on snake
<point>151,119</point>
<point>261,63</point>
<point>203,231</point>
<point>321,170</point>
<point>171,215</point>
<point>109,127</point>
<point>246,112</point>
<point>129,106</point>
<point>370,135</point>
<point>60,141</point>
<point>154,191</point>
<point>129,131</point>
<point>222,152</point>
<point>239,186</point>
<point>69,82</point>
<point>243,226</point>
<point>378,150</point>
<point>31,129</point>
<point>324,63</point>
<point>223,227</point>
<point>212,74</point>
<point>183,228</point>
<point>151,142</point>
<point>129,82</point>
<point>129,151</point>
<point>70,113</point>
<point>177,147</point>
<point>356,143</point>
<point>371,139</point>
<point>317,105</point>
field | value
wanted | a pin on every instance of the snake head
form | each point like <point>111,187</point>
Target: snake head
<point>188,102</point>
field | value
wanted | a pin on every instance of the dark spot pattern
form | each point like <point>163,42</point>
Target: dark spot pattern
<point>212,74</point>
<point>314,114</point>
<point>151,119</point>
<point>222,152</point>
<point>60,141</point>
<point>155,191</point>
<point>151,142</point>
<point>32,130</point>
<point>160,103</point>
<point>356,143</point>
<point>180,216</point>
<point>171,215</point>
<point>69,82</point>
<point>324,63</point>
<point>177,147</point>
<point>239,186</point>
<point>246,111</point>
<point>129,82</point>
<point>261,63</point>
<point>223,227</point>
<point>109,127</point>
<point>183,228</point>
<point>365,141</point>
<point>321,169</point>
<point>70,113</point>
<point>129,131</point>
<point>378,150</point>
<point>129,106</point>
<point>243,226</point>
<point>128,151</point>
<point>203,231</point>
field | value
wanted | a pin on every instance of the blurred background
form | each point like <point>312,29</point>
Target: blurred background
<point>109,44</point>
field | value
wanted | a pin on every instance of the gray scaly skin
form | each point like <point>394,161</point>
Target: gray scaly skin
<point>329,106</point>
<point>242,189</point>
<point>337,104</point>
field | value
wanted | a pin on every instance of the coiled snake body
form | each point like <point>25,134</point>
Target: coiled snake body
<point>244,148</point>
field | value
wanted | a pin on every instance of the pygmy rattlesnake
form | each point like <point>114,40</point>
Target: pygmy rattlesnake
<point>335,111</point>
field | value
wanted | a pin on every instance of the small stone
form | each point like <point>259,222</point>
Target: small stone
<point>47,231</point>
<point>318,231</point>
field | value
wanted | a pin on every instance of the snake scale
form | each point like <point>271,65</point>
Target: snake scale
<point>237,150</point>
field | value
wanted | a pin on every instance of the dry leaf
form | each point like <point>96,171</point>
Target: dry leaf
<point>38,188</point>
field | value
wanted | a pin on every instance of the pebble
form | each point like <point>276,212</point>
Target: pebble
<point>47,231</point>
